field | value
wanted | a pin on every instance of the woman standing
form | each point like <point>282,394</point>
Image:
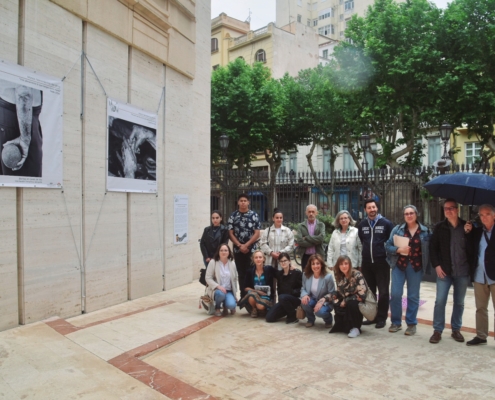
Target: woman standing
<point>289,281</point>
<point>221,280</point>
<point>276,239</point>
<point>259,286</point>
<point>213,236</point>
<point>345,240</point>
<point>408,264</point>
<point>351,290</point>
<point>316,284</point>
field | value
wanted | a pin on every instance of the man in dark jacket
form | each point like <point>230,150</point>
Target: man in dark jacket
<point>374,231</point>
<point>484,276</point>
<point>453,260</point>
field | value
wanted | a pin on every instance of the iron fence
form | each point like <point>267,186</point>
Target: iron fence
<point>393,188</point>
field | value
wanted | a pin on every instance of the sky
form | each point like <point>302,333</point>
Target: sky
<point>262,11</point>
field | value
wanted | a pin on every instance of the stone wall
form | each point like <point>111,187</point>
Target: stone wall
<point>81,248</point>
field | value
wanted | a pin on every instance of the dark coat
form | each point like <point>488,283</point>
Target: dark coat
<point>489,252</point>
<point>290,283</point>
<point>373,239</point>
<point>209,244</point>
<point>440,248</point>
<point>269,273</point>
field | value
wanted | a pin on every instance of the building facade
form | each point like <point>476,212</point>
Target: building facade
<point>81,248</point>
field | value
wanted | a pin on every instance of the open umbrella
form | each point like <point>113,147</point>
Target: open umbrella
<point>471,189</point>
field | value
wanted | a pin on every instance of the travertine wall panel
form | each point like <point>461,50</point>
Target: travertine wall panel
<point>147,36</point>
<point>181,55</point>
<point>8,232</point>
<point>182,22</point>
<point>112,16</point>
<point>105,227</point>
<point>50,238</point>
<point>146,244</point>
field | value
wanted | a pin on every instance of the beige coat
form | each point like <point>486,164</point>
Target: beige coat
<point>278,243</point>
<point>213,271</point>
<point>352,244</point>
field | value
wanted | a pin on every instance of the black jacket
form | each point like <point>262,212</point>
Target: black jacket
<point>440,248</point>
<point>489,252</point>
<point>209,244</point>
<point>269,273</point>
<point>373,239</point>
<point>290,283</point>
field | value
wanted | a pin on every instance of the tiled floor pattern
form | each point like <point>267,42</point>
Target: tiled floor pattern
<point>141,349</point>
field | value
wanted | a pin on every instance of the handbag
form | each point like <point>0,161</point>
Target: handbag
<point>369,307</point>
<point>300,313</point>
<point>202,276</point>
<point>207,303</point>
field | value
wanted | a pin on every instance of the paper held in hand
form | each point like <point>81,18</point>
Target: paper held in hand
<point>401,241</point>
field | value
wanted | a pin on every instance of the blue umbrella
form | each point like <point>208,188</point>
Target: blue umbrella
<point>471,189</point>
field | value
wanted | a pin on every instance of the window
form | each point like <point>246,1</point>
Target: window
<point>341,2</point>
<point>473,152</point>
<point>214,44</point>
<point>260,56</point>
<point>349,164</point>
<point>326,161</point>
<point>299,18</point>
<point>326,13</point>
<point>293,161</point>
<point>341,17</point>
<point>326,30</point>
<point>325,53</point>
<point>309,22</point>
<point>369,157</point>
<point>315,6</point>
<point>341,33</point>
<point>283,164</point>
<point>309,6</point>
<point>434,149</point>
<point>315,22</point>
<point>215,67</point>
<point>349,5</point>
<point>299,3</point>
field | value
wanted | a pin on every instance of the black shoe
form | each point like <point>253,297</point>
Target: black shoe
<point>380,324</point>
<point>369,322</point>
<point>476,341</point>
<point>291,321</point>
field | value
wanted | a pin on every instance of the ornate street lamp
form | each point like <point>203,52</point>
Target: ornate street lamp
<point>445,132</point>
<point>224,145</point>
<point>364,141</point>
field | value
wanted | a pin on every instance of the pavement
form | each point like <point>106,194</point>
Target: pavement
<point>164,347</point>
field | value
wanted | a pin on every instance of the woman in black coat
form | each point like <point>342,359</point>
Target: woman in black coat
<point>213,236</point>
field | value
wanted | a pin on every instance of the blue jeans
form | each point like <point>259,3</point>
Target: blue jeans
<point>324,312</point>
<point>460,284</point>
<point>227,299</point>
<point>399,278</point>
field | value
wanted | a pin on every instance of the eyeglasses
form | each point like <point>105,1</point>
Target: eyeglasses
<point>284,261</point>
<point>450,208</point>
<point>409,214</point>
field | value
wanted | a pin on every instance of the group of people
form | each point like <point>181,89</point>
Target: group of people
<point>373,256</point>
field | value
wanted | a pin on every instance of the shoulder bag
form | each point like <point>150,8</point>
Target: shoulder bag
<point>369,307</point>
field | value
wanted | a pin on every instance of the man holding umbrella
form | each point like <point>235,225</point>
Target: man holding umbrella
<point>484,278</point>
<point>454,263</point>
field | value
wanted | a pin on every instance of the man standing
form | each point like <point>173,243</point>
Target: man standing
<point>454,265</point>
<point>484,277</point>
<point>374,231</point>
<point>244,230</point>
<point>310,236</point>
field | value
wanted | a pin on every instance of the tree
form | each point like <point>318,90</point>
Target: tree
<point>467,84</point>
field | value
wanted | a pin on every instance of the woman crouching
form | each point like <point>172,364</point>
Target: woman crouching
<point>221,278</point>
<point>258,285</point>
<point>351,290</point>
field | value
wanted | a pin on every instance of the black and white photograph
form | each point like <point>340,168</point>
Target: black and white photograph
<point>131,165</point>
<point>31,113</point>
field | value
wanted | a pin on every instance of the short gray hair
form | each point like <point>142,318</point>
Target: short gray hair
<point>411,206</point>
<point>311,205</point>
<point>487,207</point>
<point>336,222</point>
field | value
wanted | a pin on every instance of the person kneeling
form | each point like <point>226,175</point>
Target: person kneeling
<point>351,290</point>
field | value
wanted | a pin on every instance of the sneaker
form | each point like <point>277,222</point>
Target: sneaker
<point>309,324</point>
<point>218,313</point>
<point>368,322</point>
<point>380,324</point>
<point>436,337</point>
<point>476,341</point>
<point>394,328</point>
<point>354,333</point>
<point>254,313</point>
<point>328,326</point>
<point>457,336</point>
<point>411,330</point>
<point>291,321</point>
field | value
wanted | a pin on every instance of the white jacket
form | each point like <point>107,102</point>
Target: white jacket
<point>277,243</point>
<point>352,243</point>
